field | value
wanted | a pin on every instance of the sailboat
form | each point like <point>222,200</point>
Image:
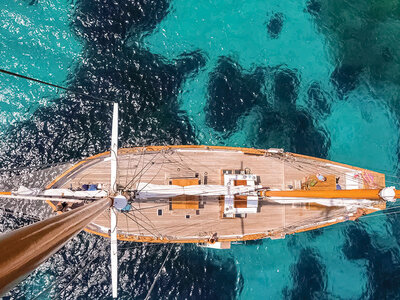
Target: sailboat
<point>206,195</point>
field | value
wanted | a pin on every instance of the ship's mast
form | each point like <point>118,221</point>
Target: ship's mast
<point>26,248</point>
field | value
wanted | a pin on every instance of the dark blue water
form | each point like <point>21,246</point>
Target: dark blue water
<point>315,77</point>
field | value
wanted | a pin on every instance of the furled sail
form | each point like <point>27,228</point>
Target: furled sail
<point>348,203</point>
<point>148,190</point>
<point>23,191</point>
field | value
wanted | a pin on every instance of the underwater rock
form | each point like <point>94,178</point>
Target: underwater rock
<point>362,34</point>
<point>313,7</point>
<point>286,87</point>
<point>283,125</point>
<point>275,25</point>
<point>307,138</point>
<point>387,54</point>
<point>318,100</point>
<point>294,131</point>
<point>102,21</point>
<point>345,78</point>
<point>309,277</point>
<point>144,85</point>
<point>206,275</point>
<point>231,93</point>
<point>382,264</point>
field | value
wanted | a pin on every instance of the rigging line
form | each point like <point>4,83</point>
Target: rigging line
<point>183,163</point>
<point>381,213</point>
<point>141,171</point>
<point>314,169</point>
<point>137,223</point>
<point>342,224</point>
<point>151,224</point>
<point>180,228</point>
<point>58,280</point>
<point>14,212</point>
<point>317,170</point>
<point>313,166</point>
<point>158,274</point>
<point>336,172</point>
<point>127,214</point>
<point>139,153</point>
<point>141,161</point>
<point>76,276</point>
<point>199,162</point>
<point>155,175</point>
<point>128,168</point>
<point>35,167</point>
<point>54,85</point>
<point>144,169</point>
<point>140,178</point>
<point>143,245</point>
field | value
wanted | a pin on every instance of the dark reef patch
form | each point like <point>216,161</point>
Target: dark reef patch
<point>231,93</point>
<point>318,99</point>
<point>272,94</point>
<point>191,272</point>
<point>361,36</point>
<point>286,87</point>
<point>295,132</point>
<point>275,25</point>
<point>286,126</point>
<point>102,22</point>
<point>313,7</point>
<point>309,277</point>
<point>383,265</point>
<point>345,78</point>
<point>387,54</point>
<point>145,86</point>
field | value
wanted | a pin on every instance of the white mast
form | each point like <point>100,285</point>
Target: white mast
<point>113,219</point>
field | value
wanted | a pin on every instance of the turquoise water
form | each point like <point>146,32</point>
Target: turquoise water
<point>35,39</point>
<point>314,77</point>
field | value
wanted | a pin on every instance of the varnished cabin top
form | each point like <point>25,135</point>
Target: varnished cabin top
<point>203,219</point>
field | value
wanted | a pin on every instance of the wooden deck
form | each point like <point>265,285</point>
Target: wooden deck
<point>199,219</point>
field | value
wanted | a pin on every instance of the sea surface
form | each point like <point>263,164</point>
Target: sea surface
<point>317,77</point>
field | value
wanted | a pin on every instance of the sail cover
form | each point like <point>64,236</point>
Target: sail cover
<point>24,191</point>
<point>148,190</point>
<point>348,203</point>
<point>74,194</point>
